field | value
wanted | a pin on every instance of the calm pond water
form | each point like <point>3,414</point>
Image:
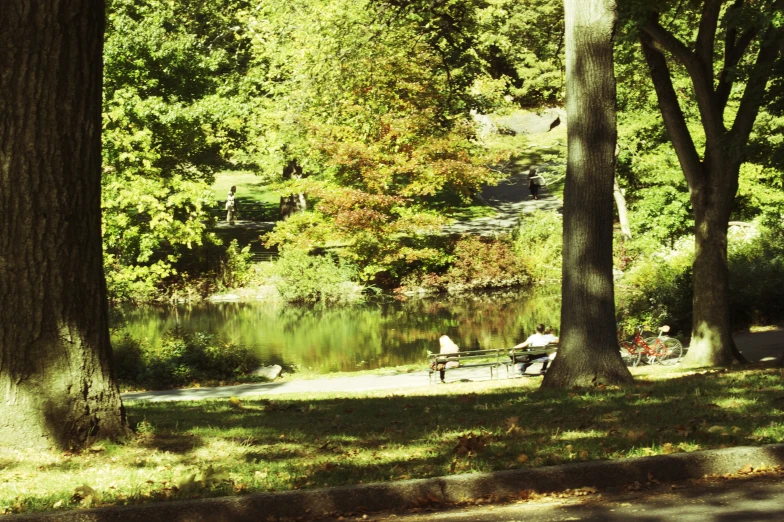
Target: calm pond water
<point>359,337</point>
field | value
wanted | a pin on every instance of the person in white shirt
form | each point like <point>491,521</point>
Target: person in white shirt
<point>540,339</point>
<point>231,205</point>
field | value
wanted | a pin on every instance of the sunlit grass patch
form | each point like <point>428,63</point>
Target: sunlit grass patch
<point>223,447</point>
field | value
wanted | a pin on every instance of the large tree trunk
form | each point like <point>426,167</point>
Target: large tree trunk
<point>711,338</point>
<point>56,383</point>
<point>588,352</point>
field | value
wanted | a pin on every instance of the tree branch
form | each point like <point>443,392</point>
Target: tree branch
<point>733,52</point>
<point>701,78</point>
<point>674,121</point>
<point>668,42</point>
<point>753,96</point>
<point>706,37</point>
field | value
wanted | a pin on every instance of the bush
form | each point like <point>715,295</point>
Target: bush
<point>657,289</point>
<point>484,263</point>
<point>181,359</point>
<point>756,276</point>
<point>309,278</point>
<point>538,242</point>
<point>235,269</point>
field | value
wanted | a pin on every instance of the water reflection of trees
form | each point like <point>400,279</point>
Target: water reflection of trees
<point>368,335</point>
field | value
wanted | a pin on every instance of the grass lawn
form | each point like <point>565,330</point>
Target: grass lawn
<point>249,186</point>
<point>226,447</point>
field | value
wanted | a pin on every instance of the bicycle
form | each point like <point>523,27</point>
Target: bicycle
<point>661,349</point>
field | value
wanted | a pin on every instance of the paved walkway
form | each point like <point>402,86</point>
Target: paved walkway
<point>509,198</point>
<point>360,383</point>
<point>755,346</point>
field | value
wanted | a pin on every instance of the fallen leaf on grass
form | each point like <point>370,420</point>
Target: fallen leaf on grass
<point>470,443</point>
<point>745,470</point>
<point>85,495</point>
<point>83,491</point>
<point>234,402</point>
<point>635,434</point>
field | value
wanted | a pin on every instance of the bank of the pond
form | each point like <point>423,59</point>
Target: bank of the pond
<point>182,341</point>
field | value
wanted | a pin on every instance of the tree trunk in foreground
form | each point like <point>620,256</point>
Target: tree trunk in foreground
<point>56,383</point>
<point>588,353</point>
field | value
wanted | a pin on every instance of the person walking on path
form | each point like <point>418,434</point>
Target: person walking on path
<point>231,205</point>
<point>535,181</point>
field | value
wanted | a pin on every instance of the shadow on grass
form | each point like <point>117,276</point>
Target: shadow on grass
<point>308,442</point>
<point>684,414</point>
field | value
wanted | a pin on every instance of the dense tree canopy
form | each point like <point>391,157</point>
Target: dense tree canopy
<point>364,113</point>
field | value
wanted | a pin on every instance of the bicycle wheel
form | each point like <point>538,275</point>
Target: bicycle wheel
<point>666,350</point>
<point>630,353</point>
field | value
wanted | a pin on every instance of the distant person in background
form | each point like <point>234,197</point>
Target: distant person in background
<point>535,181</point>
<point>231,205</point>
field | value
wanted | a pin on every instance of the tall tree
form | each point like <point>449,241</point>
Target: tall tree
<point>751,40</point>
<point>56,382</point>
<point>589,349</point>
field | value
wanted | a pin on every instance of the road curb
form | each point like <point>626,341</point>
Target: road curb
<point>314,504</point>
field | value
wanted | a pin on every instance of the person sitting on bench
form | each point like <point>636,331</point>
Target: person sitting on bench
<point>448,346</point>
<point>540,339</point>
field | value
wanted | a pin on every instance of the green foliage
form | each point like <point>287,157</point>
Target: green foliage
<point>523,40</point>
<point>538,242</point>
<point>484,263</point>
<point>168,71</point>
<point>756,260</point>
<point>378,130</point>
<point>182,358</point>
<point>308,278</point>
<point>648,171</point>
<point>657,289</point>
<point>235,270</point>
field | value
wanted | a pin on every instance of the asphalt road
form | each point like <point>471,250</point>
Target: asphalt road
<point>755,499</point>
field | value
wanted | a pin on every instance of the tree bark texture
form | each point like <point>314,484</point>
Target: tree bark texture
<point>56,383</point>
<point>712,178</point>
<point>293,203</point>
<point>588,353</point>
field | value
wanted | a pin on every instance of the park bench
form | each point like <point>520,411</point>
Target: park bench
<point>493,359</point>
<point>522,355</point>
